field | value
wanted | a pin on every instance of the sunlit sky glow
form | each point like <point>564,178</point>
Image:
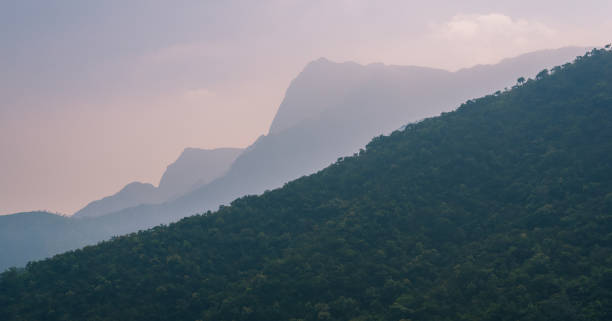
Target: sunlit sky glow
<point>95,94</point>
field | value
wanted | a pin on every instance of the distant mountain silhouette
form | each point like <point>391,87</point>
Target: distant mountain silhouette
<point>193,168</point>
<point>330,110</point>
<point>33,235</point>
<point>132,194</point>
<point>324,85</point>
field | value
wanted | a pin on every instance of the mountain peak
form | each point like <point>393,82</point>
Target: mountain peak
<point>193,167</point>
<point>136,186</point>
<point>324,85</point>
<point>321,84</point>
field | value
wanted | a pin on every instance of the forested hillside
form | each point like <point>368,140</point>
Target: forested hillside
<point>330,110</point>
<point>500,210</point>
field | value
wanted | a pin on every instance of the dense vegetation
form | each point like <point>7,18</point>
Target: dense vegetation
<point>326,100</point>
<point>501,210</point>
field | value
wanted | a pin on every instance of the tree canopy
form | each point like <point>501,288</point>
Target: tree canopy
<point>500,210</point>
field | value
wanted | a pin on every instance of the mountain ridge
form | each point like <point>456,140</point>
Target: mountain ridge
<point>381,100</point>
<point>193,167</point>
<point>499,210</point>
<point>319,70</point>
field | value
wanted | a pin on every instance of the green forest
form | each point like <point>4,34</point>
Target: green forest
<point>500,210</point>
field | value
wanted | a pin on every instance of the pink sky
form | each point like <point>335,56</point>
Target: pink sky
<point>96,97</point>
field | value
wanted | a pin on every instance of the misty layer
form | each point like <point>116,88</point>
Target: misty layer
<point>194,168</point>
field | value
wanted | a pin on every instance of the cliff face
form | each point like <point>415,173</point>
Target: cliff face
<point>195,167</point>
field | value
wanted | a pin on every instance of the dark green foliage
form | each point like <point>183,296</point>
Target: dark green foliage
<point>501,210</point>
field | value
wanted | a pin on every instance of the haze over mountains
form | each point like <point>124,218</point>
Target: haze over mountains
<point>499,210</point>
<point>194,167</point>
<point>111,93</point>
<point>329,111</point>
<point>350,103</point>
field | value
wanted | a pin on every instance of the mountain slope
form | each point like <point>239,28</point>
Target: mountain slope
<point>501,210</point>
<point>330,110</point>
<point>352,104</point>
<point>324,86</point>
<point>193,168</point>
<point>31,236</point>
<point>130,195</point>
<point>37,226</point>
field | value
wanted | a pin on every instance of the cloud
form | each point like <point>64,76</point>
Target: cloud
<point>487,37</point>
<point>493,27</point>
<point>198,94</point>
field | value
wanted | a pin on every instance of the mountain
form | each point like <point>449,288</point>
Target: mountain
<point>330,110</point>
<point>35,235</point>
<point>324,85</point>
<point>193,168</point>
<point>500,210</point>
<point>31,236</point>
<point>132,194</point>
<point>28,234</point>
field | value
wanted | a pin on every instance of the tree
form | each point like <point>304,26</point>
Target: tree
<point>542,74</point>
<point>521,80</point>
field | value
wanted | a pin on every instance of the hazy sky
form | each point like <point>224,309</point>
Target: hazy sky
<point>95,94</point>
